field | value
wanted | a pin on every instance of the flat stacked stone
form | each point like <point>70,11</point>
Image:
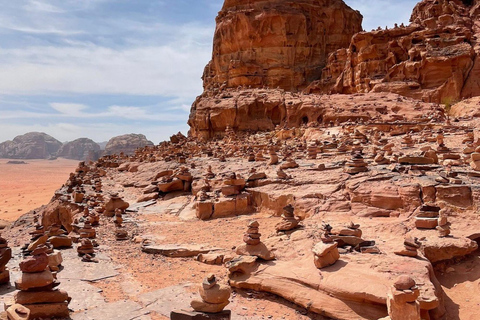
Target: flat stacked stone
<point>289,221</point>
<point>85,247</point>
<point>402,299</point>
<point>426,216</point>
<point>5,256</point>
<point>380,159</point>
<point>312,151</point>
<point>356,164</point>
<point>115,202</point>
<point>443,227</point>
<point>36,287</point>
<point>87,231</point>
<point>214,296</point>
<point>253,245</point>
<point>273,157</point>
<point>411,246</point>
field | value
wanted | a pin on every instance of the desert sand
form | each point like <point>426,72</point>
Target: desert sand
<point>24,187</point>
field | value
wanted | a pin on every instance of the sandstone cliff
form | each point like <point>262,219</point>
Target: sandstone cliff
<point>80,149</point>
<point>263,109</point>
<point>32,145</point>
<point>277,43</point>
<point>434,59</point>
<point>127,144</point>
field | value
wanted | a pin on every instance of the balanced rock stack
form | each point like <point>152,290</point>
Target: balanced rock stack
<point>214,296</point>
<point>5,256</point>
<point>402,300</point>
<point>253,245</point>
<point>115,202</point>
<point>273,156</point>
<point>426,216</point>
<point>411,246</point>
<point>289,221</point>
<point>312,151</point>
<point>475,160</point>
<point>443,224</point>
<point>356,163</point>
<point>36,287</point>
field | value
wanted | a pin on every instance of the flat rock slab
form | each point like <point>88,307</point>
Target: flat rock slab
<point>75,269</point>
<point>135,207</point>
<point>120,310</point>
<point>178,250</point>
<point>163,301</point>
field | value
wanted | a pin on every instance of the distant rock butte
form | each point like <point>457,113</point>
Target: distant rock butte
<point>277,43</point>
<point>80,149</point>
<point>32,145</point>
<point>127,144</point>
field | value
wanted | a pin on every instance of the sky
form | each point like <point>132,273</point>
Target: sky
<point>101,68</point>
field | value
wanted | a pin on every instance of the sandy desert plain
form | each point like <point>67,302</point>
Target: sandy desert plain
<point>24,187</point>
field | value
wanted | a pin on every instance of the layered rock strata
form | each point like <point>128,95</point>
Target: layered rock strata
<point>277,43</point>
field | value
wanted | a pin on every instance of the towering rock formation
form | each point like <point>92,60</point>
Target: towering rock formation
<point>80,149</point>
<point>32,145</point>
<point>277,43</point>
<point>434,59</point>
<point>127,144</point>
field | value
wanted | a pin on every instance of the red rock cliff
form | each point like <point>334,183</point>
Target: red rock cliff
<point>435,58</point>
<point>277,43</point>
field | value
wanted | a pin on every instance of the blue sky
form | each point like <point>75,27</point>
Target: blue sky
<point>100,68</point>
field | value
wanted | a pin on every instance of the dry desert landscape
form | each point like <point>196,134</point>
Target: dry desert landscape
<point>329,173</point>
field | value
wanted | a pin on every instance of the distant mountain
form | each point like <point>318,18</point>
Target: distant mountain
<point>39,145</point>
<point>127,144</point>
<point>80,149</point>
<point>102,145</point>
<point>32,145</point>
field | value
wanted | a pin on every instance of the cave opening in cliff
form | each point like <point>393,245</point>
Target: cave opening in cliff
<point>305,120</point>
<point>276,116</point>
<point>467,2</point>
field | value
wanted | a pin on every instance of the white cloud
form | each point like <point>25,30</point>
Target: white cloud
<point>169,70</point>
<point>69,109</point>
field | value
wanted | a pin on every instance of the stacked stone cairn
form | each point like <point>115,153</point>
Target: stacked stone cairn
<point>273,156</point>
<point>5,256</point>
<point>356,163</point>
<point>214,298</point>
<point>312,151</point>
<point>37,285</point>
<point>443,226</point>
<point>253,245</point>
<point>325,253</point>
<point>402,299</point>
<point>289,221</point>
<point>426,216</point>
<point>410,249</point>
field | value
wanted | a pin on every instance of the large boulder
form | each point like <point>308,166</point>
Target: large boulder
<point>80,149</point>
<point>32,145</point>
<point>127,144</point>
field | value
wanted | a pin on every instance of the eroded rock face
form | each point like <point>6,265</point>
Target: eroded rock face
<point>263,109</point>
<point>80,149</point>
<point>277,43</point>
<point>127,144</point>
<point>434,59</point>
<point>32,145</point>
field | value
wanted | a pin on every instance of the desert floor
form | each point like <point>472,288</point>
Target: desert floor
<point>24,187</point>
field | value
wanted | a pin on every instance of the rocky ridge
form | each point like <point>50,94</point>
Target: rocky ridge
<point>434,59</point>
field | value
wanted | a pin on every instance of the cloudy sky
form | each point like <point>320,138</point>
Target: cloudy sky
<point>100,68</point>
